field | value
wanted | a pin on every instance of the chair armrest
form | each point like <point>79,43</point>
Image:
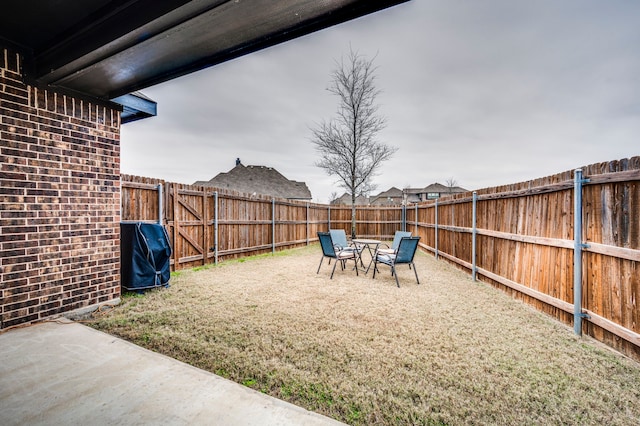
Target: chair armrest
<point>346,254</point>
<point>387,259</point>
<point>386,251</point>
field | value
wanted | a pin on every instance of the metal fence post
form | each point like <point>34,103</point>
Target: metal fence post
<point>307,228</point>
<point>577,252</point>
<point>436,229</point>
<point>160,204</point>
<point>403,218</point>
<point>215,227</point>
<point>474,268</point>
<point>273,226</point>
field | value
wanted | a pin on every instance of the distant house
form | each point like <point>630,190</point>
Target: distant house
<point>431,192</point>
<point>259,180</point>
<point>345,199</point>
<point>392,196</point>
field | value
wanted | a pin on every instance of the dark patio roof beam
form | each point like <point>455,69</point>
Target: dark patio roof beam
<point>109,48</point>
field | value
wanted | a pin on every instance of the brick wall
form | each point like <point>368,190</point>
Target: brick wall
<point>59,200</point>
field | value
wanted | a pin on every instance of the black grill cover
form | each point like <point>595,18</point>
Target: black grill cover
<point>145,256</point>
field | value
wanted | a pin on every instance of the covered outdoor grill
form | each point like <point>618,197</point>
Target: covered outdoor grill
<point>145,256</point>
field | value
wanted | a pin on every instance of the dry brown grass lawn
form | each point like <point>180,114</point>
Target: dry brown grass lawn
<point>447,351</point>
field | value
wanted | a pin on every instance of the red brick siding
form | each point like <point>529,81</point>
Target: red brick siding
<point>59,200</point>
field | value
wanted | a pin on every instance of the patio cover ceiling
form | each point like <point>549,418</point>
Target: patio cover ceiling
<point>108,49</point>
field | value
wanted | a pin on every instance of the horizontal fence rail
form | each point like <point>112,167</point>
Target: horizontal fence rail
<point>525,245</point>
<point>518,238</point>
<point>206,224</point>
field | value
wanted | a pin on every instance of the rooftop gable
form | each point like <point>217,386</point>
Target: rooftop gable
<point>259,180</point>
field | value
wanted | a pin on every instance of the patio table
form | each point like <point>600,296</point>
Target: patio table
<point>371,245</point>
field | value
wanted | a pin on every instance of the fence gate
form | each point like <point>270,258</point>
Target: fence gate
<point>187,225</point>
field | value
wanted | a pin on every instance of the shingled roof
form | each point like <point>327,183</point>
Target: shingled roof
<point>259,180</point>
<point>392,195</point>
<point>440,188</point>
<point>345,199</point>
<point>435,190</point>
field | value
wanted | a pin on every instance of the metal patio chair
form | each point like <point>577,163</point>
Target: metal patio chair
<point>332,252</point>
<point>339,238</point>
<point>404,255</point>
<point>394,245</point>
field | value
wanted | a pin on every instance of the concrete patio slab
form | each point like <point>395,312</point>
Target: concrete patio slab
<point>67,373</point>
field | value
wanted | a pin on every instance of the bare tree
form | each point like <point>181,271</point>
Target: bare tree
<point>347,144</point>
<point>333,197</point>
<point>451,184</point>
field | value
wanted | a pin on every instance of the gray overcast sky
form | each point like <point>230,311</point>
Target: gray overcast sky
<point>487,92</point>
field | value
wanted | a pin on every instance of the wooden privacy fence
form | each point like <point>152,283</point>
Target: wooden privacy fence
<point>207,224</point>
<point>519,238</point>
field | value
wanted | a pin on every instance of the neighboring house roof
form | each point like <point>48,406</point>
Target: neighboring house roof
<point>392,195</point>
<point>260,180</point>
<point>391,192</point>
<point>345,198</point>
<point>414,195</point>
<point>413,190</point>
<point>442,189</point>
<point>435,190</point>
